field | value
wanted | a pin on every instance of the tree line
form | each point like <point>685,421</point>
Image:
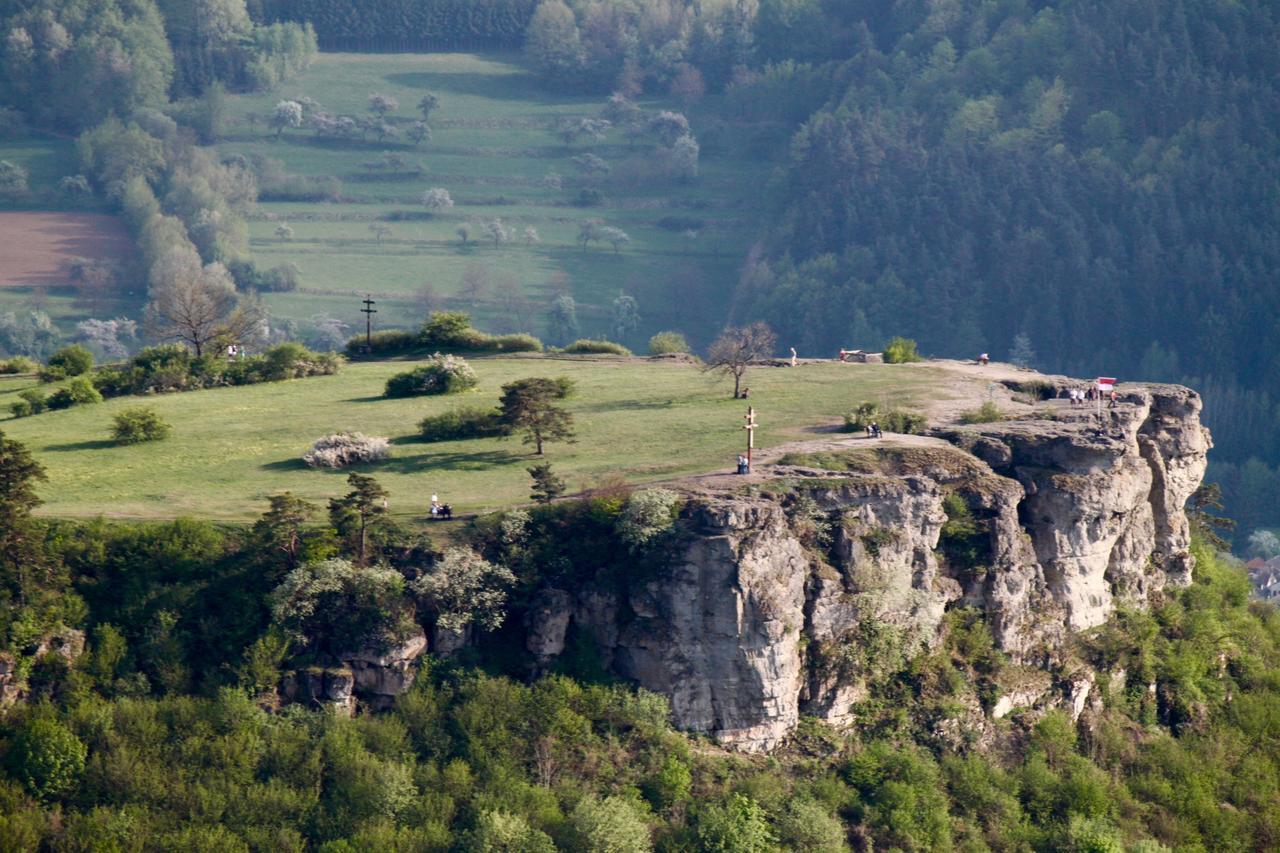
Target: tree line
<point>1095,176</point>
<point>69,64</point>
<point>406,24</point>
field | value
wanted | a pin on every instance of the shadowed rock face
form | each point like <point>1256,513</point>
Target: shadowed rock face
<point>748,628</point>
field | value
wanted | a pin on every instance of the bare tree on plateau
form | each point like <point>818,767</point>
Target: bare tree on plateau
<point>198,305</point>
<point>737,348</point>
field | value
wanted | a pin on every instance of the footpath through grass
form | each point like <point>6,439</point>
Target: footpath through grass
<point>232,447</point>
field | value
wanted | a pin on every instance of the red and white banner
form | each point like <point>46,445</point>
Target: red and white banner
<point>1106,383</point>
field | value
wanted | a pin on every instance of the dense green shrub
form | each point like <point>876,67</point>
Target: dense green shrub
<point>586,346</point>
<point>463,423</point>
<point>901,351</point>
<point>168,368</point>
<point>138,424</point>
<point>47,757</point>
<point>450,330</point>
<point>72,360</point>
<point>444,331</point>
<point>891,420</point>
<point>516,342</point>
<point>29,402</point>
<point>77,392</point>
<point>665,343</point>
<point>443,374</point>
<point>17,364</point>
<point>387,342</point>
<point>649,514</point>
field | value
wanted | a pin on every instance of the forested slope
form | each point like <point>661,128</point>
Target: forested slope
<point>1100,176</point>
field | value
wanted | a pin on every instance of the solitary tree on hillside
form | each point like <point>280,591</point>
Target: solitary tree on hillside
<point>382,104</point>
<point>284,231</point>
<point>615,237</point>
<point>626,316</point>
<point>287,114</point>
<point>196,305</point>
<point>353,514</point>
<point>437,200</point>
<point>546,485</point>
<point>427,105</point>
<point>669,126</point>
<point>562,319</point>
<point>737,348</point>
<point>419,132</point>
<point>530,405</point>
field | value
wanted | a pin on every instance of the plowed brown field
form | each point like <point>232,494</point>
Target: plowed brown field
<point>35,248</point>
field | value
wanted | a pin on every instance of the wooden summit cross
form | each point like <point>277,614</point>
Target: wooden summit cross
<point>751,434</point>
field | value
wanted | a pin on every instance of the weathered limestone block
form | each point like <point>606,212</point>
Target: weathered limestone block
<point>720,635</point>
<point>547,621</point>
<point>380,676</point>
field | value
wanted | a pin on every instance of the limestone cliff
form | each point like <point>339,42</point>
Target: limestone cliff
<point>784,600</point>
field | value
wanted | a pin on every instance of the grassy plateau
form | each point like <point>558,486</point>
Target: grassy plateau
<point>232,447</point>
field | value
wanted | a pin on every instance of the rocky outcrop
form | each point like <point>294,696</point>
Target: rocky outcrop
<point>380,676</point>
<point>370,677</point>
<point>757,618</point>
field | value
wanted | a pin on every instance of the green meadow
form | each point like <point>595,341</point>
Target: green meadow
<point>232,447</point>
<point>493,150</point>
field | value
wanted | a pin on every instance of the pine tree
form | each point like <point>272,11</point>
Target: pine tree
<point>546,485</point>
<point>353,514</point>
<point>1021,354</point>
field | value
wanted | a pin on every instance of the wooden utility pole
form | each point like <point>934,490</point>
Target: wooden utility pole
<point>368,311</point>
<point>751,434</point>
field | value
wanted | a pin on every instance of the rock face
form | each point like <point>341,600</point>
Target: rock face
<point>776,605</point>
<point>372,677</point>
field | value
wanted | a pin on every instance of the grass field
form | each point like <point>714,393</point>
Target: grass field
<point>233,447</point>
<point>492,150</point>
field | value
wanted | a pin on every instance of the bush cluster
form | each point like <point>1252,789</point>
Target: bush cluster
<point>138,424</point>
<point>587,346</point>
<point>443,374</point>
<point>665,343</point>
<point>890,420</point>
<point>346,448</point>
<point>463,423</point>
<point>901,351</point>
<point>73,360</point>
<point>171,367</point>
<point>79,391</point>
<point>17,364</point>
<point>449,331</point>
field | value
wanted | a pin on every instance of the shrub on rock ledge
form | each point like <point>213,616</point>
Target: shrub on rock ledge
<point>346,448</point>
